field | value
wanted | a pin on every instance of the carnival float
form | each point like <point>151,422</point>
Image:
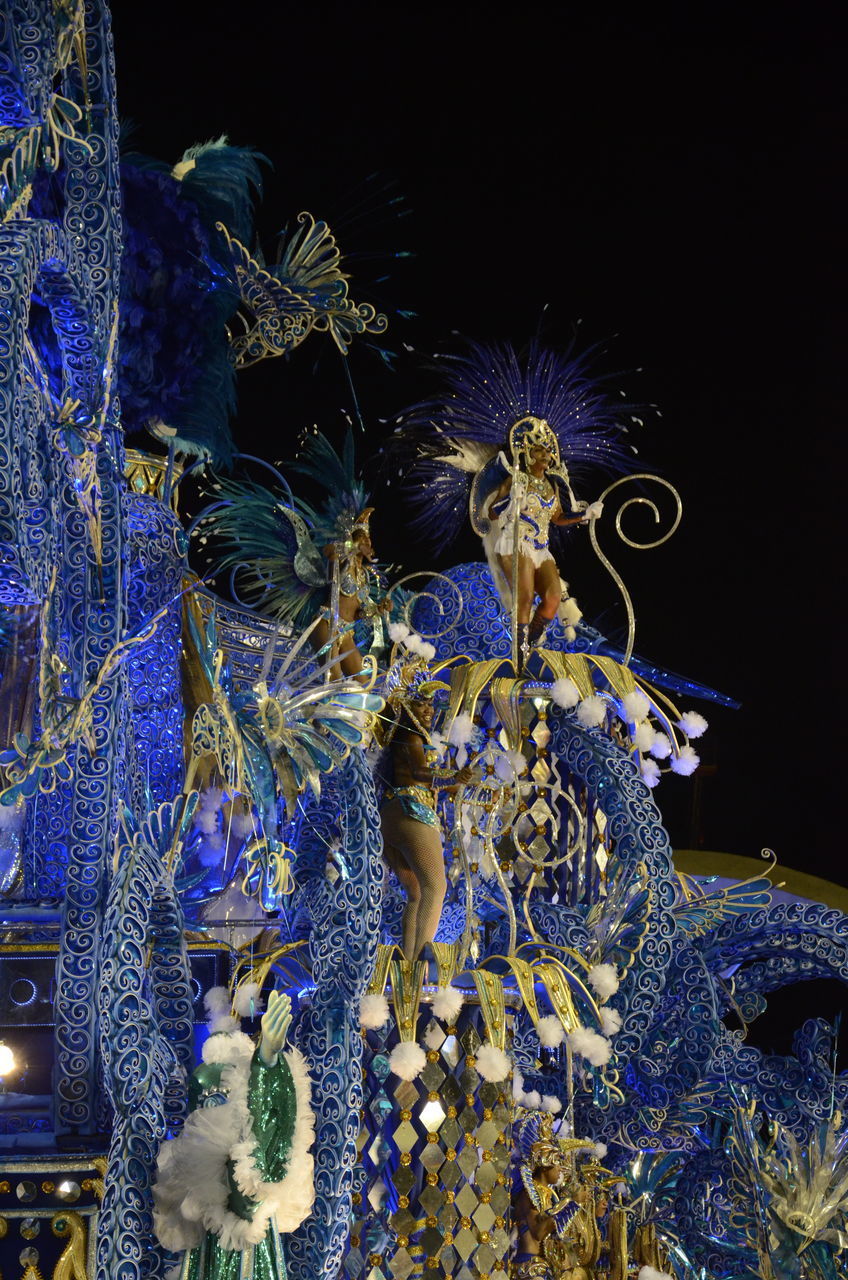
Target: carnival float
<point>341,935</point>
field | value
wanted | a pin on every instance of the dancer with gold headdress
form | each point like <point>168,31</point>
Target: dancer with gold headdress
<point>504,439</point>
<point>306,566</point>
<point>546,1203</point>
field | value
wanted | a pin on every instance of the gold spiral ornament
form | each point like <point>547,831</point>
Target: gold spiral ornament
<point>637,500</point>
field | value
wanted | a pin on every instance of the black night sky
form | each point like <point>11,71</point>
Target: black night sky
<point>675,188</point>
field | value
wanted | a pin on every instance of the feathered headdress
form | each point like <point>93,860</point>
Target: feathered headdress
<point>273,542</point>
<point>489,393</point>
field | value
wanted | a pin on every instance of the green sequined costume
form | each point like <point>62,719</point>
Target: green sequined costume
<point>240,1173</point>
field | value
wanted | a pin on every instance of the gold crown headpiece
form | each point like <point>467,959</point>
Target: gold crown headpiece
<point>530,432</point>
<point>362,521</point>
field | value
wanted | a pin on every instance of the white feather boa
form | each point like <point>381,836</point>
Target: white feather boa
<point>192,1187</point>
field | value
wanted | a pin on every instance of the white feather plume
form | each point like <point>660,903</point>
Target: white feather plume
<point>407,1060</point>
<point>603,979</point>
<point>589,1045</point>
<point>660,746</point>
<point>246,1001</point>
<point>373,1011</point>
<point>565,693</point>
<point>467,455</point>
<point>592,711</point>
<point>635,705</point>
<point>610,1021</point>
<point>650,772</point>
<point>492,1063</point>
<point>686,762</point>
<point>551,1032</point>
<point>692,724</point>
<point>447,1002</point>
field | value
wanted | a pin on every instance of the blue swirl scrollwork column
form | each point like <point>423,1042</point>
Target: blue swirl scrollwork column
<point>345,922</point>
<point>156,562</point>
<point>634,824</point>
<point>138,1063</point>
<point>170,982</point>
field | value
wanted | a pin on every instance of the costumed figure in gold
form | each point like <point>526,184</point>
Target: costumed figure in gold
<point>516,531</point>
<point>412,832</point>
<point>503,441</point>
<point>308,567</point>
<point>547,1212</point>
<point>239,1174</point>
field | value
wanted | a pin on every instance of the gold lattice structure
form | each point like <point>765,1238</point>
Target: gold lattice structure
<point>145,473</point>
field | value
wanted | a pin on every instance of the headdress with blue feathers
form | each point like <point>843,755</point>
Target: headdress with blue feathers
<point>454,436</point>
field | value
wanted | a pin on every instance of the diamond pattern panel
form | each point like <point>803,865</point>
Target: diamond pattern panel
<point>434,1159</point>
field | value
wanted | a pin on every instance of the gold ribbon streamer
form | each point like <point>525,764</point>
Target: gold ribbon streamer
<point>467,683</point>
<point>493,1007</point>
<point>447,954</point>
<point>571,666</point>
<point>385,954</point>
<point>505,695</point>
<point>407,980</point>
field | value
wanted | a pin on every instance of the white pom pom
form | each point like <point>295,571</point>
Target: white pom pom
<point>447,1002</point>
<point>217,1000</point>
<point>246,1001</point>
<point>373,1011</point>
<point>610,1021</point>
<point>398,631</point>
<point>686,762</point>
<point>651,1273</point>
<point>600,1149</point>
<point>643,736</point>
<point>594,511</point>
<point>427,650</point>
<point>603,979</point>
<point>564,693</point>
<point>589,1045</point>
<point>492,1063</point>
<point>692,724</point>
<point>592,711</point>
<point>517,1084</point>
<point>550,1103</point>
<point>660,747</point>
<point>650,772</point>
<point>407,1060</point>
<point>461,730</point>
<point>551,1032</point>
<point>635,705</point>
<point>570,634</point>
<point>533,1100</point>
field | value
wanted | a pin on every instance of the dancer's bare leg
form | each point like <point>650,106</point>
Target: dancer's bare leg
<point>524,586</point>
<point>350,659</point>
<point>420,847</point>
<point>548,589</point>
<point>409,884</point>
